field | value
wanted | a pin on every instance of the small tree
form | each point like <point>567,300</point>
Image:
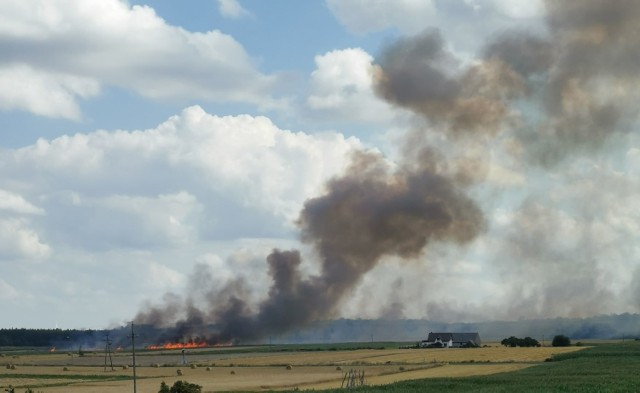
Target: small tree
<point>164,388</point>
<point>561,341</point>
<point>510,342</point>
<point>180,387</point>
<point>530,342</point>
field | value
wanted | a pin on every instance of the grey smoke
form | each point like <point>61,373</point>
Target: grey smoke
<point>546,92</point>
<point>580,80</point>
<point>367,214</point>
<point>418,73</point>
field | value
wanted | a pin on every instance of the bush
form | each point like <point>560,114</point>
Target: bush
<point>180,387</point>
<point>561,341</point>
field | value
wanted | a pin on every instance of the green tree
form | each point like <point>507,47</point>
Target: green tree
<point>180,387</point>
<point>561,341</point>
<point>510,342</point>
<point>520,342</point>
<point>164,388</point>
<point>530,342</point>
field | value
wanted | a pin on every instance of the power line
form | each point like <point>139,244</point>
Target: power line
<point>107,353</point>
<point>133,351</point>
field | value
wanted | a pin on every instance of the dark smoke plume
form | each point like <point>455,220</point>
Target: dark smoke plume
<point>552,94</point>
<point>367,214</point>
<point>419,74</point>
<point>580,80</point>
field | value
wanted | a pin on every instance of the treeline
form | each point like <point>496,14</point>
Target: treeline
<point>42,337</point>
<point>76,339</point>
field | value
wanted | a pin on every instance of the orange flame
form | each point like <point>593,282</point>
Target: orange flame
<point>188,345</point>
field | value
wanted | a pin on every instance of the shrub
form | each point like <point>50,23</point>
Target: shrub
<point>561,341</point>
<point>179,372</point>
<point>185,387</point>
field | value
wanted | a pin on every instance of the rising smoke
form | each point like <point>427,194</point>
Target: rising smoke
<point>563,92</point>
<point>369,213</point>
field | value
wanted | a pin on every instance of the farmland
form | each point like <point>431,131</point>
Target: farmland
<point>259,368</point>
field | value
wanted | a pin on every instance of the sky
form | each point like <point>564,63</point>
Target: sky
<point>154,154</point>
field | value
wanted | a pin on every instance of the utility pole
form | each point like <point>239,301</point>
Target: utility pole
<point>133,350</point>
<point>107,353</point>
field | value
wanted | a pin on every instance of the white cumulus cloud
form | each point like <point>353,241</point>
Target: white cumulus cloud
<point>15,203</point>
<point>195,175</point>
<point>365,16</point>
<point>19,240</point>
<point>231,9</point>
<point>58,52</point>
<point>341,86</point>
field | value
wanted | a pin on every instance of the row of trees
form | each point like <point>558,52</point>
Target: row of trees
<point>558,341</point>
<point>520,342</point>
<point>43,337</point>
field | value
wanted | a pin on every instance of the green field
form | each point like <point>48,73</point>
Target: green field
<point>602,368</point>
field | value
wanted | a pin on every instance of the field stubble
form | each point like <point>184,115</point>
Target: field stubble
<point>262,371</point>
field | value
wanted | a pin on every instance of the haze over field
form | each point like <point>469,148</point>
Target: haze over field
<point>259,167</point>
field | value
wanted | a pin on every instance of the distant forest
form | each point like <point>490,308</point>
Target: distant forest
<point>40,337</point>
<point>342,330</point>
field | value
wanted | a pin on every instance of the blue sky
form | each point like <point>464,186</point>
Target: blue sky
<point>140,139</point>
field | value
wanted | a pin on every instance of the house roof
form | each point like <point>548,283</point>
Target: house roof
<point>455,337</point>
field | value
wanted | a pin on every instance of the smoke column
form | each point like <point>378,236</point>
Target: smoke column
<point>365,215</point>
<point>563,95</point>
<point>561,78</point>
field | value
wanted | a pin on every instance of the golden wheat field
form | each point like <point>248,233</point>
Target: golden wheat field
<point>256,371</point>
